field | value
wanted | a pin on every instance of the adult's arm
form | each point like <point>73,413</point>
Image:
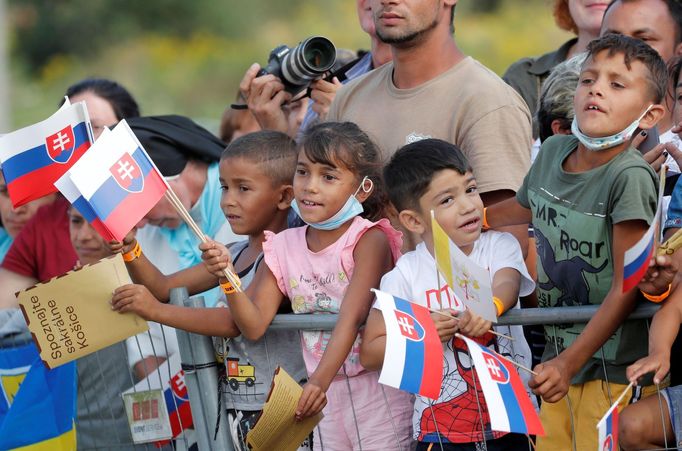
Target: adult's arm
<point>12,282</point>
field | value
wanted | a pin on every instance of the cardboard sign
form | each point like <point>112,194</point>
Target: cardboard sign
<point>70,316</point>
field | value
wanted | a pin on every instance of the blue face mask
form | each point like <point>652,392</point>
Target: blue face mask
<point>605,142</point>
<point>350,209</point>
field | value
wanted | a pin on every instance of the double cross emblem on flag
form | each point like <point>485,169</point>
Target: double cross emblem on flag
<point>127,174</point>
<point>409,328</point>
<point>60,145</point>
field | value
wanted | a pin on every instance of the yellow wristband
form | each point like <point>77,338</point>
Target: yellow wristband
<point>133,254</point>
<point>228,288</point>
<point>657,298</point>
<point>498,305</point>
<point>486,226</point>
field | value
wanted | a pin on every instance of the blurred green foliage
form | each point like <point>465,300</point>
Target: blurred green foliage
<point>188,57</point>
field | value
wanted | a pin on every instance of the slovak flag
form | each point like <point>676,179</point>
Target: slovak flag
<point>510,408</point>
<point>413,359</point>
<point>608,430</point>
<point>34,157</point>
<point>118,180</point>
<point>637,258</point>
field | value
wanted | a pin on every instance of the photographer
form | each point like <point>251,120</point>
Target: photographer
<point>267,98</point>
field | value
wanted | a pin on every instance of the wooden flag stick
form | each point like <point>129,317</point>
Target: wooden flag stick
<point>508,360</point>
<point>454,317</point>
<point>182,211</point>
<point>623,394</point>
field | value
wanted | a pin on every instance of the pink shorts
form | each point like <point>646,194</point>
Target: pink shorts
<point>369,416</point>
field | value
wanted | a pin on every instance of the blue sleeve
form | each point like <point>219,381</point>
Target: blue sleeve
<point>674,215</point>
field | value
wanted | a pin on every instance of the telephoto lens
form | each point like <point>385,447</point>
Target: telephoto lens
<point>299,66</point>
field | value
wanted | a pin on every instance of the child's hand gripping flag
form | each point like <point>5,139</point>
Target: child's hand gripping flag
<point>469,282</point>
<point>118,180</point>
<point>509,406</point>
<point>413,359</point>
<point>34,157</point>
<point>636,260</point>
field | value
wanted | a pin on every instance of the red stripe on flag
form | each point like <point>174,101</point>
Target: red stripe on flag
<point>98,225</point>
<point>40,183</point>
<point>135,206</point>
<point>634,279</point>
<point>432,376</point>
<point>530,416</point>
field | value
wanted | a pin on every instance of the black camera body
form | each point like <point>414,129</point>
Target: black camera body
<point>299,66</point>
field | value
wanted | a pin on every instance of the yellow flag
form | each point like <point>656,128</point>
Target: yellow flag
<point>441,249</point>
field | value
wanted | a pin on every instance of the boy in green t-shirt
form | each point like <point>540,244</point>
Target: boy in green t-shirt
<point>590,197</point>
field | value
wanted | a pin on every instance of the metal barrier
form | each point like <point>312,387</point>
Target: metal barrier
<point>107,372</point>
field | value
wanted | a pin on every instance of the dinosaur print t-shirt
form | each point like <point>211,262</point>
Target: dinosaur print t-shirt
<point>573,218</point>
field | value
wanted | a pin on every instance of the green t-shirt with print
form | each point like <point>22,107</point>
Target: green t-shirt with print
<point>573,218</point>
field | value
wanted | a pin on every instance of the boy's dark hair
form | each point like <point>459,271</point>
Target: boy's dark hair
<point>634,50</point>
<point>410,171</point>
<point>121,101</point>
<point>343,143</point>
<point>274,152</point>
<point>674,8</point>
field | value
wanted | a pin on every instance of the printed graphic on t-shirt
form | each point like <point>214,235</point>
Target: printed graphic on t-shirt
<point>240,374</point>
<point>455,415</point>
<point>574,261</point>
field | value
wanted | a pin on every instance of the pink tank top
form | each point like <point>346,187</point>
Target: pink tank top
<point>316,282</point>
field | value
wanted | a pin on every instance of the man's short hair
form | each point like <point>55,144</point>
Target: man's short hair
<point>635,50</point>
<point>411,169</point>
<point>556,96</point>
<point>674,8</point>
<point>274,152</point>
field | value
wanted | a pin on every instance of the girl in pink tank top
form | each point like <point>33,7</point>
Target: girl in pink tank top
<point>329,266</point>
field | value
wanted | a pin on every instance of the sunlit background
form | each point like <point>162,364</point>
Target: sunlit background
<point>187,57</point>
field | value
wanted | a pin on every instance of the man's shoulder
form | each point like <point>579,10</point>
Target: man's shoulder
<point>366,82</point>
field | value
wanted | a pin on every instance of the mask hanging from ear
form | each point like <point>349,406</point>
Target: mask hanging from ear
<point>350,209</point>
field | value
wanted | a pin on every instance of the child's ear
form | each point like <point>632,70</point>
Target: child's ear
<point>362,195</point>
<point>651,118</point>
<point>412,221</point>
<point>286,196</point>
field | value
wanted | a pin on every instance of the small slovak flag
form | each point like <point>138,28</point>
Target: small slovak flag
<point>413,359</point>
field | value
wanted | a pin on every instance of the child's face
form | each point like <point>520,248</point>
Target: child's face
<point>14,219</point>
<point>609,96</point>
<point>321,190</point>
<point>457,206</point>
<point>249,200</point>
<point>87,243</point>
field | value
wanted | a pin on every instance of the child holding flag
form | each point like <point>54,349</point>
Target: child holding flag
<point>255,177</point>
<point>329,266</point>
<point>591,197</point>
<point>433,175</point>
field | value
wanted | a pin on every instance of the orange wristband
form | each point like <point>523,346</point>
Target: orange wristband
<point>228,288</point>
<point>498,305</point>
<point>133,254</point>
<point>486,226</point>
<point>659,298</point>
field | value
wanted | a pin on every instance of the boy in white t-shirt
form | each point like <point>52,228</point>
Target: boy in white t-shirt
<point>427,175</point>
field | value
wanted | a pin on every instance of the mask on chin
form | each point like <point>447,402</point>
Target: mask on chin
<point>350,209</point>
<point>606,142</point>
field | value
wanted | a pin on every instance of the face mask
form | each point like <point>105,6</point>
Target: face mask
<point>350,209</point>
<point>606,142</point>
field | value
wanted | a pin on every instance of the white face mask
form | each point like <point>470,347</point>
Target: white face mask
<point>350,209</point>
<point>606,142</point>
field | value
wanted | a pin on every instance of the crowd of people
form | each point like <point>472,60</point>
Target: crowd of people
<point>545,176</point>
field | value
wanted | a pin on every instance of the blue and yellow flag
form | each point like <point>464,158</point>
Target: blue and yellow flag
<point>41,404</point>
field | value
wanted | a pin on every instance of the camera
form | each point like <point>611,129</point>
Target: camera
<point>299,66</point>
